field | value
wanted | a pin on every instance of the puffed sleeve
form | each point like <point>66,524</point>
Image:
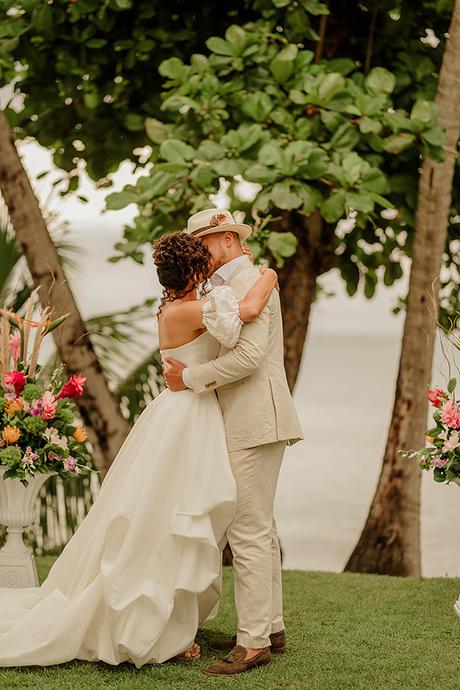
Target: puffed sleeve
<point>221,315</point>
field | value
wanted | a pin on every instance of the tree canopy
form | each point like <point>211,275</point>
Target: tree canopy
<point>328,108</point>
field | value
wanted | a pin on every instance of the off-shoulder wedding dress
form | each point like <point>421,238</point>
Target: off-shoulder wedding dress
<point>142,570</point>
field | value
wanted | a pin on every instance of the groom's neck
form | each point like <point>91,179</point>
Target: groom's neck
<point>232,253</point>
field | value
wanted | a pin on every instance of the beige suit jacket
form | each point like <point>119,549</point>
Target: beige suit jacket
<point>250,379</point>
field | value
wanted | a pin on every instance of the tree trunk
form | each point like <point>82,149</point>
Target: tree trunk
<point>106,427</point>
<point>390,541</point>
<point>297,280</point>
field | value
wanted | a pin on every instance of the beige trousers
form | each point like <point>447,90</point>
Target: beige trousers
<point>254,542</point>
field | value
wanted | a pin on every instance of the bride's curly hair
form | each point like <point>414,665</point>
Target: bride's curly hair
<point>182,263</point>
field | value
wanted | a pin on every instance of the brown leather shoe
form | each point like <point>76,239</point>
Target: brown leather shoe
<point>234,663</point>
<point>278,643</point>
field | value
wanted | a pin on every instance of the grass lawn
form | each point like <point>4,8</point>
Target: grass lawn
<point>345,632</point>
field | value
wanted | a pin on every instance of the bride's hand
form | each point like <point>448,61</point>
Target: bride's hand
<point>264,269</point>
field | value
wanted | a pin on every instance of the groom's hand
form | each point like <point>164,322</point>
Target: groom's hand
<point>172,371</point>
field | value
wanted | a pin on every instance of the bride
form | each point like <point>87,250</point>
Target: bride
<point>141,572</point>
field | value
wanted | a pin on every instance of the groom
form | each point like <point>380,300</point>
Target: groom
<point>260,420</point>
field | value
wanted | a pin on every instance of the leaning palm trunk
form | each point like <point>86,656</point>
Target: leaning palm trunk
<point>98,408</point>
<point>390,541</point>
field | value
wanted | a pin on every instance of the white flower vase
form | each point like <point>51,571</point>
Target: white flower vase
<point>17,510</point>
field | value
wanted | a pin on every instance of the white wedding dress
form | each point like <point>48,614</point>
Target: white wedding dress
<point>143,569</point>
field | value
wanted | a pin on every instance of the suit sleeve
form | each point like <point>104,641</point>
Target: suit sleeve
<point>238,363</point>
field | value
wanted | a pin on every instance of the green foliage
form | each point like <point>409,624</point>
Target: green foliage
<point>218,97</point>
<point>310,136</point>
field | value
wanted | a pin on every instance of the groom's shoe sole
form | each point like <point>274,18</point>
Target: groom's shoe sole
<point>278,643</point>
<point>234,663</point>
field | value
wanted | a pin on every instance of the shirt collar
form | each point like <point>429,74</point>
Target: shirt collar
<point>227,269</point>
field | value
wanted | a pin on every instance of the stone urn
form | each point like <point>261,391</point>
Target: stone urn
<point>18,510</point>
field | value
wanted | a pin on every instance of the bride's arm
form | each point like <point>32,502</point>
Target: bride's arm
<point>252,304</point>
<point>257,297</point>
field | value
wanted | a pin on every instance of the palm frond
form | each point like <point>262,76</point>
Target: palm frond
<point>141,386</point>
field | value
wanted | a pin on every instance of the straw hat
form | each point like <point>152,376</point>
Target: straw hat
<point>213,220</point>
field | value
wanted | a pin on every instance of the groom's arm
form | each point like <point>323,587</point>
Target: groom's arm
<point>238,363</point>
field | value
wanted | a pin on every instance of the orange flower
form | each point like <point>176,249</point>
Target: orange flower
<point>429,439</point>
<point>13,406</point>
<point>80,434</point>
<point>10,434</point>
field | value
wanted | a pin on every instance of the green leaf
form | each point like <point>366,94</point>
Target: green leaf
<point>424,113</point>
<point>311,198</point>
<point>282,64</point>
<point>174,69</point>
<point>333,209</point>
<point>237,37</point>
<point>200,62</point>
<point>380,80</point>
<point>228,167</point>
<point>260,173</point>
<point>96,42</point>
<point>330,85</point>
<point>315,165</point>
<point>257,105</point>
<point>156,130</point>
<point>134,122</point>
<point>272,154</point>
<point>451,385</point>
<point>396,143</point>
<point>352,165</point>
<point>315,7</point>
<point>370,283</point>
<point>350,273</point>
<point>155,184</point>
<point>346,137</point>
<point>282,245</point>
<point>439,475</point>
<point>283,197</point>
<point>203,176</point>
<point>91,100</point>
<point>176,151</point>
<point>375,181</point>
<point>118,200</point>
<point>220,46</point>
<point>360,202</point>
<point>370,105</point>
<point>210,150</point>
<point>435,136</point>
<point>367,124</point>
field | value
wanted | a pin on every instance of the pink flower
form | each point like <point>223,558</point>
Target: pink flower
<point>452,442</point>
<point>48,406</point>
<point>73,388</point>
<point>436,396</point>
<point>70,463</point>
<point>14,346</point>
<point>29,456</point>
<point>54,456</point>
<point>36,409</point>
<point>15,379</point>
<point>439,462</point>
<point>450,414</point>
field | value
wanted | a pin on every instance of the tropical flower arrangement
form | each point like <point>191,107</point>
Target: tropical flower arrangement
<point>442,451</point>
<point>38,428</point>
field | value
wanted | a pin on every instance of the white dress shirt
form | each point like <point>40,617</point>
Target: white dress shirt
<point>218,278</point>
